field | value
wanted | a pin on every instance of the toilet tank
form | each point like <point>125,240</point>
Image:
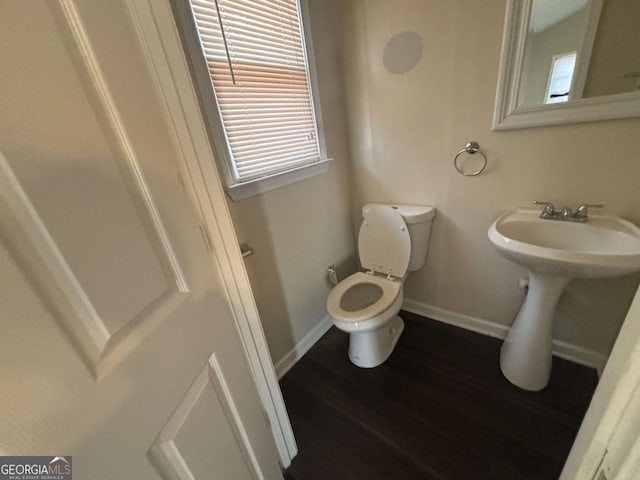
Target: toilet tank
<point>418,219</point>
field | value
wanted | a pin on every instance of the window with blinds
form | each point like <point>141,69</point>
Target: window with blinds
<point>256,58</point>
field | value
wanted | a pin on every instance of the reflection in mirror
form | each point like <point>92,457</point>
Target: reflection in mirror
<point>555,36</point>
<point>567,61</point>
<point>580,49</point>
<point>615,60</point>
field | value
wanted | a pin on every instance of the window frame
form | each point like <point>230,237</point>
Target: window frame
<point>555,58</point>
<point>213,118</point>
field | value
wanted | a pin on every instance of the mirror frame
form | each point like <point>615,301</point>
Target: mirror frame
<point>507,115</point>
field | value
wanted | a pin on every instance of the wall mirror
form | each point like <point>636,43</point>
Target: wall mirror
<point>568,61</point>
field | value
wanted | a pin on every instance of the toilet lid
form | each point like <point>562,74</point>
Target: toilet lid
<point>383,242</point>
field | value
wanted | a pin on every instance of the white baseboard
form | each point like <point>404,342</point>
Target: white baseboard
<point>568,351</point>
<point>581,355</point>
<point>457,319</point>
<point>289,360</point>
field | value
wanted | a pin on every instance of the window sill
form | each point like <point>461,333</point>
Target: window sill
<point>240,191</point>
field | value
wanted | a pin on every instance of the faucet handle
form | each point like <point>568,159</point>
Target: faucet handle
<point>566,212</point>
<point>548,210</point>
<point>581,211</point>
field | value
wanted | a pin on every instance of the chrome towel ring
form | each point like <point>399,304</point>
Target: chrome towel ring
<point>471,148</point>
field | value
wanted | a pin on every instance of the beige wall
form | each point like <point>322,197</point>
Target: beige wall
<point>298,230</point>
<point>405,130</point>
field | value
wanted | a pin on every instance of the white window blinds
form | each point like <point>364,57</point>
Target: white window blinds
<point>256,58</point>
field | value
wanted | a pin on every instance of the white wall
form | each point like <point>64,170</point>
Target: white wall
<point>405,130</point>
<point>298,230</point>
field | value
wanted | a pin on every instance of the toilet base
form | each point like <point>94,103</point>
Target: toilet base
<point>370,349</point>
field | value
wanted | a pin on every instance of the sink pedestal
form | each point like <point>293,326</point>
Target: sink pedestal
<point>525,357</point>
<point>605,246</point>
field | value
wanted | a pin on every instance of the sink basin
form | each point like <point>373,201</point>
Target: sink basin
<point>555,252</point>
<point>605,246</point>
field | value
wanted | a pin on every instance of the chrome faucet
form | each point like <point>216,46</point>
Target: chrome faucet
<point>566,214</point>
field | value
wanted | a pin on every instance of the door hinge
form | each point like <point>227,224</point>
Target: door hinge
<point>602,472</point>
<point>181,181</point>
<point>205,237</point>
<point>265,415</point>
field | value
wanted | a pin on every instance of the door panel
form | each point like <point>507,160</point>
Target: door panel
<point>118,345</point>
<point>98,211</point>
<point>175,446</point>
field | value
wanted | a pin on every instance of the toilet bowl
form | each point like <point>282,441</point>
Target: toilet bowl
<point>392,242</point>
<point>364,305</point>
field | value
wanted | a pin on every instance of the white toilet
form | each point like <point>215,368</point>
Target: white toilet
<point>392,242</point>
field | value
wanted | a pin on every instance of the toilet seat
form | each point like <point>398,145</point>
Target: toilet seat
<point>391,291</point>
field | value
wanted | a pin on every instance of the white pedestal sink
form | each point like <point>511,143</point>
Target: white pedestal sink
<point>555,252</point>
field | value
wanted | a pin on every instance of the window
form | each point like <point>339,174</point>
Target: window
<point>257,65</point>
<point>560,78</point>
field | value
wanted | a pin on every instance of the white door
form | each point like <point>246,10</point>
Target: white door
<point>117,345</point>
<point>621,459</point>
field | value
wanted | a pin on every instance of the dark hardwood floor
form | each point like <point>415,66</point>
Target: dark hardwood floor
<point>438,408</point>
